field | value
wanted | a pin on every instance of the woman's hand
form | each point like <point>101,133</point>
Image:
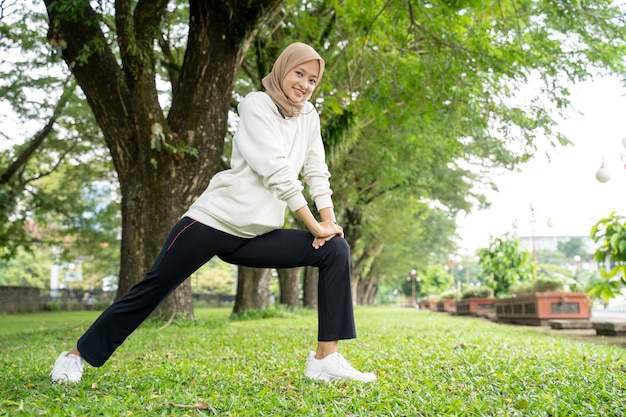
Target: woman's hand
<point>322,231</point>
<point>325,231</point>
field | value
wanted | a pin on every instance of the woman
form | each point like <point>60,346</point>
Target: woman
<point>240,216</point>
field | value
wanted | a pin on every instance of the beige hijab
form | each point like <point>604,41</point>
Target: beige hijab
<point>294,55</point>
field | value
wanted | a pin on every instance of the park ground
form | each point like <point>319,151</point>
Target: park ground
<point>428,364</point>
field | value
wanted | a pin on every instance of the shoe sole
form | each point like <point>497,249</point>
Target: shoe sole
<point>327,377</point>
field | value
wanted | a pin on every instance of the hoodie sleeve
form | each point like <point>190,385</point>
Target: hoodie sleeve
<point>315,171</point>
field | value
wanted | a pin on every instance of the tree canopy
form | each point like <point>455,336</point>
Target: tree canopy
<point>421,101</point>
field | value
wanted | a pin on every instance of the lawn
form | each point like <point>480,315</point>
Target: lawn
<point>428,364</point>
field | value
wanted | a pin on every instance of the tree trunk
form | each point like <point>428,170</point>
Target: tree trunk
<point>369,293</point>
<point>289,281</point>
<point>253,289</point>
<point>163,160</point>
<point>311,278</point>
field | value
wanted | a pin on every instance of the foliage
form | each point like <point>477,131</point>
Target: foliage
<point>386,294</point>
<point>573,247</point>
<point>443,112</point>
<point>585,281</point>
<point>449,295</point>
<point>436,280</point>
<point>610,233</point>
<point>506,262</point>
<point>216,277</point>
<point>395,243</point>
<point>477,292</point>
<point>255,368</point>
<point>537,285</point>
<point>551,257</point>
<point>553,272</point>
<point>31,269</point>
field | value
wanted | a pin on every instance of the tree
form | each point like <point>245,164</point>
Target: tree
<point>289,279</point>
<point>151,145</point>
<point>253,289</point>
<point>436,280</point>
<point>505,262</point>
<point>573,247</point>
<point>25,269</point>
<point>422,100</point>
<point>444,108</point>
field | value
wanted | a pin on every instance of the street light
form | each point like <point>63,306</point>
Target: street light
<point>533,221</point>
<point>413,277</point>
<point>603,174</point>
<point>577,264</point>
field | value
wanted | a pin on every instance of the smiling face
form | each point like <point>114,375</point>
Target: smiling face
<point>299,83</point>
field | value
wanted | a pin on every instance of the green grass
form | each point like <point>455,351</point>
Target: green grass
<point>428,364</point>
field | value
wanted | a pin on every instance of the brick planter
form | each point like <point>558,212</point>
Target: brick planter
<point>539,308</point>
<point>446,306</point>
<point>474,307</point>
<point>428,305</point>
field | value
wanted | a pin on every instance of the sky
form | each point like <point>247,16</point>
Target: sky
<point>563,188</point>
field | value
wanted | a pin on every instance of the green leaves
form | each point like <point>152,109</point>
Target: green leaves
<point>506,262</point>
<point>610,233</point>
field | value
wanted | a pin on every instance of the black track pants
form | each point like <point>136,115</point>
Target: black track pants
<point>191,244</point>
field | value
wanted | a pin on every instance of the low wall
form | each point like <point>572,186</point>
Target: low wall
<point>19,300</point>
<point>14,300</point>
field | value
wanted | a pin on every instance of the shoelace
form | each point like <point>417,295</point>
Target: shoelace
<point>344,363</point>
<point>73,362</point>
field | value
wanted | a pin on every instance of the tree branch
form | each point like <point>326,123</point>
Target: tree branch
<point>40,136</point>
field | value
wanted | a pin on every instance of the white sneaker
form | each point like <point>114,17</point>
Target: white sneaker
<point>67,368</point>
<point>333,366</point>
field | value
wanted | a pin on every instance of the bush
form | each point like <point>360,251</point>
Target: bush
<point>448,295</point>
<point>477,292</point>
<point>538,285</point>
<point>548,284</point>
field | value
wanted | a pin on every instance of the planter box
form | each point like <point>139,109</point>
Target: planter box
<point>447,306</point>
<point>539,308</point>
<point>482,307</point>
<point>428,305</point>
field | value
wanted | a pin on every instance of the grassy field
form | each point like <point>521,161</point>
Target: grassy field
<point>428,364</point>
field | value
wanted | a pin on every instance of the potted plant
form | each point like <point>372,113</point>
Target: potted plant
<point>447,301</point>
<point>476,301</point>
<point>540,301</point>
<point>429,303</point>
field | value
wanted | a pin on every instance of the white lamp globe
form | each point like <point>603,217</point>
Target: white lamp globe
<point>603,174</point>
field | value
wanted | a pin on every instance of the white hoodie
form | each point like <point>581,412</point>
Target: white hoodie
<point>269,152</point>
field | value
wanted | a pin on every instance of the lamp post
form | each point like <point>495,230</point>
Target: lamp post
<point>603,174</point>
<point>533,221</point>
<point>413,277</point>
<point>577,264</point>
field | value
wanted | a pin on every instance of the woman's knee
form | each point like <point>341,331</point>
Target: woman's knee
<point>339,247</point>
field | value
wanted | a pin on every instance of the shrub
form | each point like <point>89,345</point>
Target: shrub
<point>548,284</point>
<point>477,292</point>
<point>448,295</point>
<point>543,284</point>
